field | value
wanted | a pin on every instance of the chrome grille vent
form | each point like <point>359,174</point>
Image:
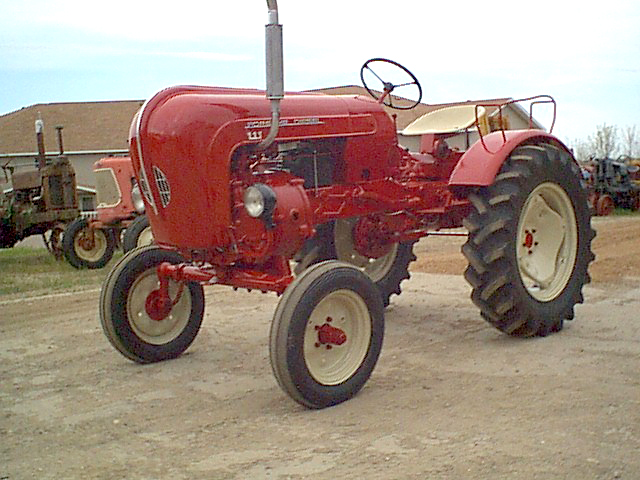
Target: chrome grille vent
<point>163,186</point>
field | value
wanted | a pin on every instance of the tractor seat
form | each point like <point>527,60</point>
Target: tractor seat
<point>447,120</point>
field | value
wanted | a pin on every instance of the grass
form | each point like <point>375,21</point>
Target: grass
<point>625,212</point>
<point>30,272</point>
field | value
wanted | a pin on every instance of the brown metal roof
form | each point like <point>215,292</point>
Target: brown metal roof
<point>88,126</point>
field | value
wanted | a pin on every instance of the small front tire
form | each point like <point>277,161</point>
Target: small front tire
<point>124,308</point>
<point>326,334</point>
<point>137,234</point>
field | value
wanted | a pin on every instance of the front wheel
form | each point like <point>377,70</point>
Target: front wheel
<point>134,315</point>
<point>529,242</point>
<point>326,334</point>
<point>87,247</point>
<point>138,234</point>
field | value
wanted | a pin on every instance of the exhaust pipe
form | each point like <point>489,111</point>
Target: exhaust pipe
<point>275,71</point>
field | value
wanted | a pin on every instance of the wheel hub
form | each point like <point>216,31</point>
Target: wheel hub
<point>529,241</point>
<point>329,335</point>
<point>87,242</point>
<point>367,239</point>
<point>158,305</point>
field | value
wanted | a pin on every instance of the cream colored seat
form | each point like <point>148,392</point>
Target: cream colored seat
<point>448,120</point>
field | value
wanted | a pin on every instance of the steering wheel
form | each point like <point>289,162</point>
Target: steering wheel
<point>389,87</point>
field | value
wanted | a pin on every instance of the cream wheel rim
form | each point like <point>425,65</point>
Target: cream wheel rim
<point>334,358</point>
<point>157,332</point>
<point>145,238</point>
<point>99,245</point>
<point>547,242</point>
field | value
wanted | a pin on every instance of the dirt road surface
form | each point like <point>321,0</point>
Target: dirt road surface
<point>450,398</point>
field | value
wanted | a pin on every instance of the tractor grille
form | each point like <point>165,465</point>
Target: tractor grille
<point>163,186</point>
<point>107,189</point>
<point>144,188</point>
<point>56,191</point>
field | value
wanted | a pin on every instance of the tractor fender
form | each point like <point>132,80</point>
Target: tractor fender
<point>480,164</point>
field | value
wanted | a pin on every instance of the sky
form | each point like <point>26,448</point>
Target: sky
<point>584,54</point>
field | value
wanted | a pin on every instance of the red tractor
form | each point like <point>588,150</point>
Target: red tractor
<point>237,185</point>
<point>91,240</point>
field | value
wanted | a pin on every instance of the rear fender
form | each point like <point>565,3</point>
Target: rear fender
<point>480,164</point>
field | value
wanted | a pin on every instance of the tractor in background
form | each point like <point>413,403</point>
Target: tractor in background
<point>119,220</point>
<point>612,184</point>
<point>42,200</point>
<point>237,184</point>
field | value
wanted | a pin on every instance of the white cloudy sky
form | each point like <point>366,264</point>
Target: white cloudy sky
<point>585,54</point>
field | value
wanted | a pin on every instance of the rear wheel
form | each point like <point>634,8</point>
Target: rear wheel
<point>138,234</point>
<point>336,241</point>
<point>133,316</point>
<point>605,205</point>
<point>87,247</point>
<point>53,240</point>
<point>529,243</point>
<point>326,334</point>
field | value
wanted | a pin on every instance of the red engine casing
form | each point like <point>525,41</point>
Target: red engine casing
<point>183,142</point>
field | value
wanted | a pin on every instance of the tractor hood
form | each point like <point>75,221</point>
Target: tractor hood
<point>183,139</point>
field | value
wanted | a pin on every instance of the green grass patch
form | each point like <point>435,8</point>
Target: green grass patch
<point>30,272</point>
<point>625,212</point>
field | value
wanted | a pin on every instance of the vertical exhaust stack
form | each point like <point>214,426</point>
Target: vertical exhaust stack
<point>41,159</point>
<point>275,71</point>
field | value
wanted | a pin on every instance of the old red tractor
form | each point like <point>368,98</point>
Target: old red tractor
<point>237,185</point>
<point>91,240</point>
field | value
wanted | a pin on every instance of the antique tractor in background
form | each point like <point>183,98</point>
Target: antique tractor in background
<point>237,185</point>
<point>91,240</point>
<point>42,201</point>
<point>611,184</point>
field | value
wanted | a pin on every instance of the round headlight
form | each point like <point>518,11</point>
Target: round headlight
<point>260,201</point>
<point>254,201</point>
<point>136,198</point>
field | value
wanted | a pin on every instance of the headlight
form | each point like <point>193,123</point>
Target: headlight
<point>136,198</point>
<point>260,202</point>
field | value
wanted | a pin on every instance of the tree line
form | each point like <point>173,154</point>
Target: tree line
<point>608,141</point>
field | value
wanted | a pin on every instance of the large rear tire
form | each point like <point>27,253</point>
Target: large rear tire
<point>529,242</point>
<point>126,299</point>
<point>87,247</point>
<point>326,334</point>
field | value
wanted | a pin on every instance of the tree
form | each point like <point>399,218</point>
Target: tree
<point>604,144</point>
<point>607,142</point>
<point>581,149</point>
<point>631,142</point>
